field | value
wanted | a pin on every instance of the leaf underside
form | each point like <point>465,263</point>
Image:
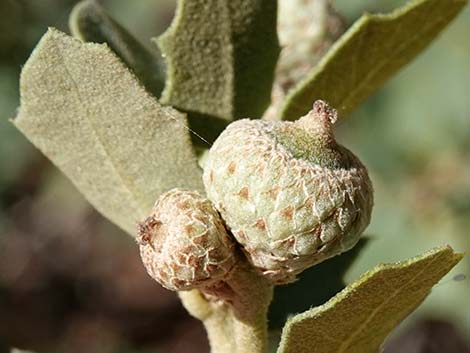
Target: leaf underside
<point>370,52</point>
<point>84,110</point>
<point>221,56</point>
<point>90,22</point>
<point>358,319</point>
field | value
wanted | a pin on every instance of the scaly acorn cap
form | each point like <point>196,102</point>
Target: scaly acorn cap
<point>184,243</point>
<point>291,196</point>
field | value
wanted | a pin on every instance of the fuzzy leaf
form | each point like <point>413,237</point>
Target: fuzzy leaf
<point>370,52</point>
<point>221,56</point>
<point>359,318</point>
<point>90,22</point>
<point>83,109</point>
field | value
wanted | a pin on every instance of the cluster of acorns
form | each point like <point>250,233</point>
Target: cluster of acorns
<point>285,193</point>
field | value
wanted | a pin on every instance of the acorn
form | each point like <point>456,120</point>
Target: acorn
<point>306,30</point>
<point>184,243</point>
<point>288,192</point>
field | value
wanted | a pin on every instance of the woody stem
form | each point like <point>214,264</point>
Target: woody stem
<point>237,322</point>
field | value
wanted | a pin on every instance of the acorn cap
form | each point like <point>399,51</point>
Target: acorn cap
<point>184,243</point>
<point>291,196</point>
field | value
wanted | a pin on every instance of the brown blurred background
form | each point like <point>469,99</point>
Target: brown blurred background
<point>72,282</point>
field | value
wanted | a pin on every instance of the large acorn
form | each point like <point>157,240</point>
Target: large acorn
<point>289,193</point>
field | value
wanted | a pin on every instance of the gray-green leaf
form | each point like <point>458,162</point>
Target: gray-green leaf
<point>83,109</point>
<point>358,319</point>
<point>90,22</point>
<point>370,52</point>
<point>221,56</point>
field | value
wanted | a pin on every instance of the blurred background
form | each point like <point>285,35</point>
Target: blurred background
<point>72,282</point>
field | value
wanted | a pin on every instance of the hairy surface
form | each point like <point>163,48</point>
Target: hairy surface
<point>184,244</point>
<point>288,213</point>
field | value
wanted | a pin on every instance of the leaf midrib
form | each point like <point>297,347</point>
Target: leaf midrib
<point>126,184</point>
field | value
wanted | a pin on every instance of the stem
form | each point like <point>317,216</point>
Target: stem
<point>219,331</point>
<point>235,312</point>
<point>215,318</point>
<point>249,310</point>
<point>250,335</point>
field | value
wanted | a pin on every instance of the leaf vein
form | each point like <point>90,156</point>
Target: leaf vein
<point>113,163</point>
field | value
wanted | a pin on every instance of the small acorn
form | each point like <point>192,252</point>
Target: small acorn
<point>290,195</point>
<point>184,243</point>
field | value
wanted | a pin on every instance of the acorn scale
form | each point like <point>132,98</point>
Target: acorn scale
<point>184,243</point>
<point>289,193</point>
